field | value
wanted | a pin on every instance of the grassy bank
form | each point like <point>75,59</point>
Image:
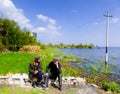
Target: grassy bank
<point>18,62</point>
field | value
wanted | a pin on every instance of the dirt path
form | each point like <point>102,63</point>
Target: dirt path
<point>87,89</point>
<point>67,89</point>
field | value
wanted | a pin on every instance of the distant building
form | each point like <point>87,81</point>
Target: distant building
<point>33,34</point>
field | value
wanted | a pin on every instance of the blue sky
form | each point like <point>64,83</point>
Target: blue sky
<point>66,21</point>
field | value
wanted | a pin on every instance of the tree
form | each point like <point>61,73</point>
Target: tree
<point>61,45</point>
<point>13,37</point>
<point>81,45</point>
<point>91,46</point>
<point>72,45</point>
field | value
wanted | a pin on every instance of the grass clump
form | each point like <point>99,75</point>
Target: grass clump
<point>111,86</point>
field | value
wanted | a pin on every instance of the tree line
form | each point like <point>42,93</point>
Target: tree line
<point>61,45</point>
<point>12,37</point>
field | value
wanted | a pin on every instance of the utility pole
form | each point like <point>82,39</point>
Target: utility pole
<point>107,15</point>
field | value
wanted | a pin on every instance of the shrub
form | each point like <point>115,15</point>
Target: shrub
<point>30,48</point>
<point>111,86</point>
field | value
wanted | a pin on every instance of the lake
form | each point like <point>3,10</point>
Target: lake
<point>97,55</point>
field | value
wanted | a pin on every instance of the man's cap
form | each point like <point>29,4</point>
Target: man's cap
<point>55,59</point>
<point>37,57</point>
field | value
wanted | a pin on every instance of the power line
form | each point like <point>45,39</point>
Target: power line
<point>84,25</point>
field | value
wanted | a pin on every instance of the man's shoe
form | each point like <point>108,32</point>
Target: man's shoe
<point>39,84</point>
<point>34,85</point>
<point>45,87</point>
<point>60,88</point>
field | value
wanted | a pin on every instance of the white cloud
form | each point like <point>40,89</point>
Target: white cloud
<point>115,20</point>
<point>42,17</point>
<point>48,30</point>
<point>53,29</point>
<point>99,23</point>
<point>9,10</point>
<point>111,21</point>
<point>46,19</point>
<point>51,21</point>
<point>50,27</point>
<point>41,29</point>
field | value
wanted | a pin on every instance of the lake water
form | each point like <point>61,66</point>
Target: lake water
<point>97,54</point>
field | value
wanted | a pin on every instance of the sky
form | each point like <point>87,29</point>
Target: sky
<point>66,21</point>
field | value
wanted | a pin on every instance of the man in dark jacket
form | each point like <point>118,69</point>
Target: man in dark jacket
<point>55,71</point>
<point>35,71</point>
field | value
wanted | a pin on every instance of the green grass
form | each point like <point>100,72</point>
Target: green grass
<point>15,62</point>
<point>18,90</point>
<point>18,62</point>
<point>7,90</point>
